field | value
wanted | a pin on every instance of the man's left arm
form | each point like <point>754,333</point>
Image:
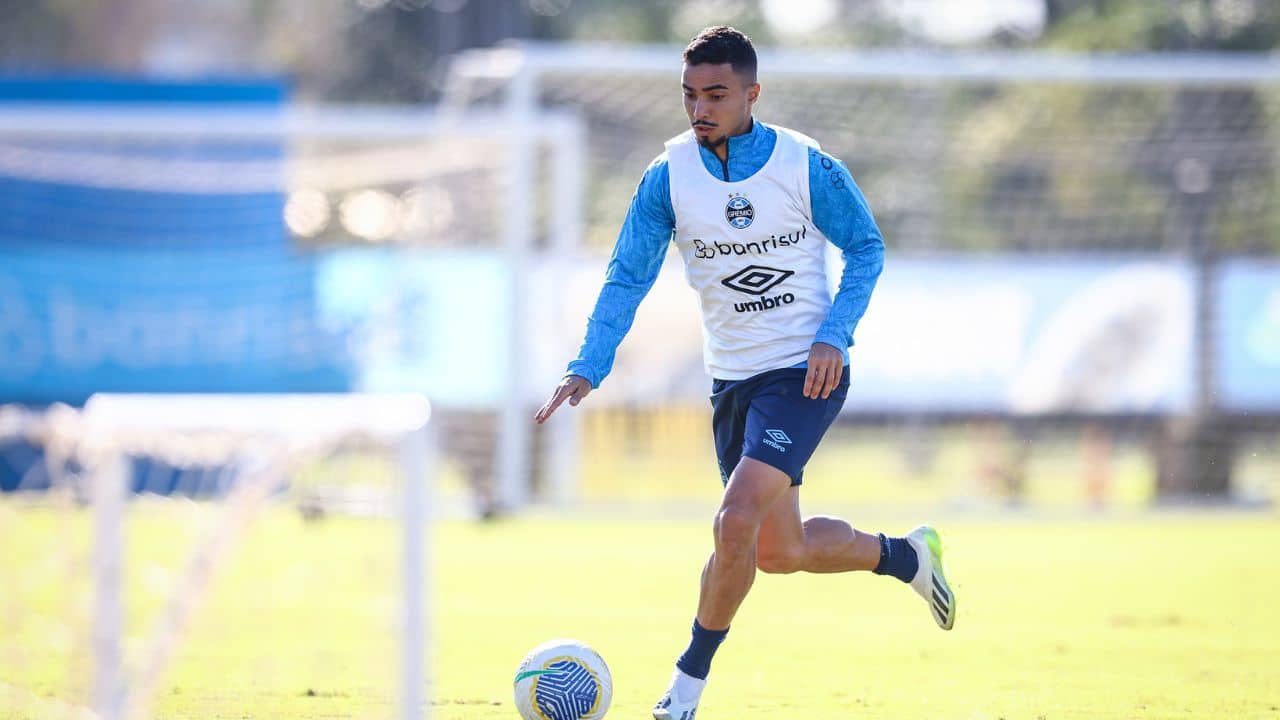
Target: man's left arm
<point>841,212</point>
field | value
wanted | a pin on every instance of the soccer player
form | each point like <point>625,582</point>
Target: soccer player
<point>751,208</point>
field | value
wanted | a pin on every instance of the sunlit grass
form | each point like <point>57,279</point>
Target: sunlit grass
<point>1160,616</point>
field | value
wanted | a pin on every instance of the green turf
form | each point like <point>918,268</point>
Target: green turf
<point>1168,616</point>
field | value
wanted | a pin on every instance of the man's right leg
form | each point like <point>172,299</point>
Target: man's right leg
<point>754,489</point>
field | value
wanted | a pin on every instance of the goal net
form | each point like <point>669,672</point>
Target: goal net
<point>1077,249</point>
<point>193,541</point>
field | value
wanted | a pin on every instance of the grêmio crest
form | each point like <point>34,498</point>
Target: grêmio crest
<point>739,212</point>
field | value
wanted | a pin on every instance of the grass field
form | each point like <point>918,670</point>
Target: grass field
<point>1152,616</point>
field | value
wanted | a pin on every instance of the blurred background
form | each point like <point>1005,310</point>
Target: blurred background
<point>1079,315</point>
<point>1081,306</point>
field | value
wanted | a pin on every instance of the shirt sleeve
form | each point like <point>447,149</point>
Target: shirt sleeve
<point>841,213</point>
<point>633,268</point>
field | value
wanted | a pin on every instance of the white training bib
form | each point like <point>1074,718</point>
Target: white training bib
<point>754,256</point>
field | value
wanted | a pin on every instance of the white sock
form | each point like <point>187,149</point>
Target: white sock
<point>686,688</point>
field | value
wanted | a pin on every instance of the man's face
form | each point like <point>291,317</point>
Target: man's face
<point>718,102</point>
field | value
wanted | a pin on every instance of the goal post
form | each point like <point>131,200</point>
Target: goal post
<point>266,439</point>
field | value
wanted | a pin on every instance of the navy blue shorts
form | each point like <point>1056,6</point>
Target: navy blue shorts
<point>767,418</point>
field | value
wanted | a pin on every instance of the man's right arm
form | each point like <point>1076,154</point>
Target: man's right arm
<point>633,268</point>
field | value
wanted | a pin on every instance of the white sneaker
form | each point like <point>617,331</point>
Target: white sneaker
<point>668,709</point>
<point>676,703</point>
<point>931,579</point>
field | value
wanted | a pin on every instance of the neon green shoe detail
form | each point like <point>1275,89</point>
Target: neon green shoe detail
<point>930,581</point>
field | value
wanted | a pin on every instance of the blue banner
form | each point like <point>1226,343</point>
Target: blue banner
<point>1026,336</point>
<point>104,88</point>
<point>1248,354</point>
<point>75,322</point>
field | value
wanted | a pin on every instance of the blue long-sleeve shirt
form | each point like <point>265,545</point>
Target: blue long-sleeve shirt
<point>839,211</point>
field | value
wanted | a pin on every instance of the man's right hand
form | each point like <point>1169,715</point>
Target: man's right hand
<point>572,388</point>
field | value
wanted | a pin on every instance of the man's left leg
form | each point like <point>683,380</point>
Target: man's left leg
<point>820,544</point>
<point>782,430</point>
<point>817,544</point>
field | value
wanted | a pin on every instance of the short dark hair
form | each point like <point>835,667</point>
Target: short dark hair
<point>722,44</point>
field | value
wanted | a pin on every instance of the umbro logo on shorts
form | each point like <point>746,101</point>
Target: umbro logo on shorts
<point>776,439</point>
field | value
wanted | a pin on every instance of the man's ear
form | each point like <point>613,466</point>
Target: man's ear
<point>753,93</point>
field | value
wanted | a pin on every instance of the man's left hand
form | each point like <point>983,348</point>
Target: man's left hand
<point>826,365</point>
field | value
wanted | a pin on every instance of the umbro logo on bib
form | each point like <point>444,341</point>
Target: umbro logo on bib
<point>756,279</point>
<point>739,212</point>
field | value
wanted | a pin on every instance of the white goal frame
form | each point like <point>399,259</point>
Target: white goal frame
<point>294,426</point>
<point>522,65</point>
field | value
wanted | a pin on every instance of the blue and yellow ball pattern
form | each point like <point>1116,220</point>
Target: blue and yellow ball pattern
<point>570,692</point>
<point>563,680</point>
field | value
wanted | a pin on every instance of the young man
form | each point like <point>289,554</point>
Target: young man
<point>751,208</point>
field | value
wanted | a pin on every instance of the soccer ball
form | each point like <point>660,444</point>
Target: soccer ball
<point>563,680</point>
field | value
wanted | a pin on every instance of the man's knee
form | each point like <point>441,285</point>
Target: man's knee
<point>753,489</point>
<point>735,528</point>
